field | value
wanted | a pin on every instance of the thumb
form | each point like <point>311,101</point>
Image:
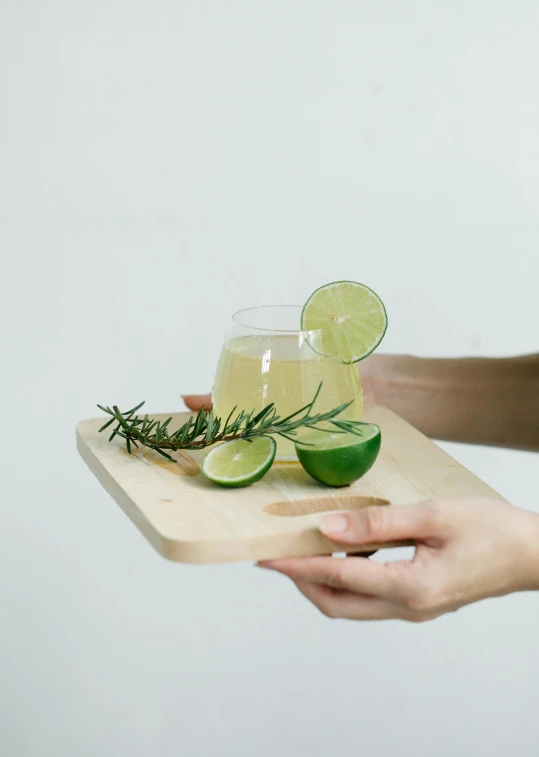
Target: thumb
<point>379,524</point>
<point>195,401</point>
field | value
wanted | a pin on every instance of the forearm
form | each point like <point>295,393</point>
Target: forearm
<point>487,401</point>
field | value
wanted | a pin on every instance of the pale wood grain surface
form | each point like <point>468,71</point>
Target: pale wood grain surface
<point>189,519</point>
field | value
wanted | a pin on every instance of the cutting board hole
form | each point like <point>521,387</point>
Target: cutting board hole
<point>322,505</point>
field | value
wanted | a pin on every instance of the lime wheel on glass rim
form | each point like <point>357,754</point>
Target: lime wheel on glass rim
<point>349,318</point>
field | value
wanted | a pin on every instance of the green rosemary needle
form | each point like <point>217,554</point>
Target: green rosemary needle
<point>205,428</point>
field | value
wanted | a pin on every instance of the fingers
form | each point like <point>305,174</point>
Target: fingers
<point>367,590</point>
<point>377,524</point>
<point>342,604</point>
<point>195,401</point>
<point>359,576</point>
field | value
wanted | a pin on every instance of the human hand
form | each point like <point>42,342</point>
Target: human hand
<point>195,401</point>
<point>466,550</point>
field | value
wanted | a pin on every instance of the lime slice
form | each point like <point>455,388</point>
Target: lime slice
<point>352,317</point>
<point>339,459</point>
<point>240,463</point>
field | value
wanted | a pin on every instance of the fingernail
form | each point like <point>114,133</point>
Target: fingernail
<point>334,524</point>
<point>267,564</point>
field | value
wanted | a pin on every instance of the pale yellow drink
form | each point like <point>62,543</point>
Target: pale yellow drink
<point>256,370</point>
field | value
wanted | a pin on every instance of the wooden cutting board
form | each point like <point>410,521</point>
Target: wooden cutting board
<point>189,519</point>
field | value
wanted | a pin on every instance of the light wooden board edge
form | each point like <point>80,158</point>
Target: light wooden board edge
<point>111,486</point>
<point>305,542</point>
<point>302,543</point>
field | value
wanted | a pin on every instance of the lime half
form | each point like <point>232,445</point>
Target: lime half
<point>239,462</point>
<point>339,459</point>
<point>352,319</point>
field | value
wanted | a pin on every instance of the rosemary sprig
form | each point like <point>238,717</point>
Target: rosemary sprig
<point>205,428</point>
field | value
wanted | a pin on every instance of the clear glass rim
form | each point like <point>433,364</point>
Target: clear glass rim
<point>236,317</point>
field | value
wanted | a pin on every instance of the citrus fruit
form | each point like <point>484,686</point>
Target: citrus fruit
<point>339,459</point>
<point>349,319</point>
<point>240,462</point>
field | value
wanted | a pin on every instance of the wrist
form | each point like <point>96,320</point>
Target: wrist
<point>529,571</point>
<point>390,376</point>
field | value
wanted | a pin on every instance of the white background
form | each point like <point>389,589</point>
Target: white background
<point>162,164</point>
